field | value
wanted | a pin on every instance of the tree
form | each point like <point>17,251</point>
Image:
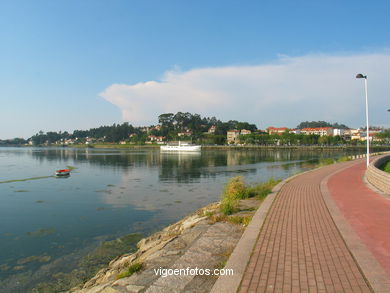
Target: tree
<point>316,124</point>
<point>166,119</point>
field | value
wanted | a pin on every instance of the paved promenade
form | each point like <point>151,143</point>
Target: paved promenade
<point>300,247</point>
<point>366,211</point>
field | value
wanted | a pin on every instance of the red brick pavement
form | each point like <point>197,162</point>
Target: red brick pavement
<point>299,248</point>
<point>366,211</point>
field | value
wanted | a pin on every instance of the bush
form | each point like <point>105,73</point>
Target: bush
<point>228,206</point>
<point>236,188</point>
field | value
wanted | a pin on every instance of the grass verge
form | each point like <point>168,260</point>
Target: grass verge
<point>236,189</point>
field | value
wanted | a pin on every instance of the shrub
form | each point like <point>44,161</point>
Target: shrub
<point>236,188</point>
<point>228,206</point>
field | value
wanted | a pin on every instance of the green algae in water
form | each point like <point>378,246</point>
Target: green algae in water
<point>34,258</point>
<point>71,168</point>
<point>26,179</point>
<point>89,265</point>
<point>42,232</point>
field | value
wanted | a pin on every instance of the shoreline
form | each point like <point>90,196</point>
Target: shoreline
<point>202,240</point>
<point>215,147</point>
<point>189,242</point>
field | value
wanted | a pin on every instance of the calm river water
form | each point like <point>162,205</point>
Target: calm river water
<point>112,193</point>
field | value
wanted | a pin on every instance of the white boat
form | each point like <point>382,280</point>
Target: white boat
<point>181,147</point>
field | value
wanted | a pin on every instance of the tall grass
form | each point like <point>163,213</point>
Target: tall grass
<point>237,189</point>
<point>386,167</point>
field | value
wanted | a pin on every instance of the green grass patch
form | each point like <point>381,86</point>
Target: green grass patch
<point>261,190</point>
<point>326,162</point>
<point>343,159</point>
<point>239,220</point>
<point>136,267</point>
<point>386,167</point>
<point>237,189</point>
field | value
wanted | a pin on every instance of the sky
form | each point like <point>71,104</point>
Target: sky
<point>77,64</point>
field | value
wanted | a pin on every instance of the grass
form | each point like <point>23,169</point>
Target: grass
<point>239,220</point>
<point>136,267</point>
<point>325,162</point>
<point>386,167</point>
<point>343,159</point>
<point>330,161</point>
<point>237,189</point>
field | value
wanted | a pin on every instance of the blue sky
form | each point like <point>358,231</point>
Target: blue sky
<point>68,65</point>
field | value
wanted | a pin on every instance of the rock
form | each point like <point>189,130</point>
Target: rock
<point>109,290</point>
<point>134,288</point>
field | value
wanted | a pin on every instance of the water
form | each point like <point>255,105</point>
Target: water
<point>113,193</point>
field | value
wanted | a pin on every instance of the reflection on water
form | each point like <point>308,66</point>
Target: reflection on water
<point>112,193</point>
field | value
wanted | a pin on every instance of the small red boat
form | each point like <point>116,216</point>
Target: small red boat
<point>63,172</point>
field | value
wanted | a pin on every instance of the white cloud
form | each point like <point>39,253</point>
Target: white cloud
<point>293,89</point>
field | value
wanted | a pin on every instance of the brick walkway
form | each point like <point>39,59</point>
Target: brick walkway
<point>299,248</point>
<point>367,212</point>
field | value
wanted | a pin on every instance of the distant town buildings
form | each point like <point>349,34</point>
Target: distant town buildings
<point>245,132</point>
<point>186,133</point>
<point>277,130</point>
<point>212,129</point>
<point>321,131</point>
<point>295,131</point>
<point>232,136</point>
<point>157,139</point>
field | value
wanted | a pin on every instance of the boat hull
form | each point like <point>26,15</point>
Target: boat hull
<point>63,172</point>
<point>181,148</point>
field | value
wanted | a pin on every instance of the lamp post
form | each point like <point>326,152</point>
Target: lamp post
<point>368,130</point>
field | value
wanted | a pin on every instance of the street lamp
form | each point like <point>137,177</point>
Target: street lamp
<point>368,130</point>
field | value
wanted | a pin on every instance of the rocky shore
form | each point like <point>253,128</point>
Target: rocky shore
<point>204,240</point>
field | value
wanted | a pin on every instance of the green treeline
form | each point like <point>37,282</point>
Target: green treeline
<point>170,125</point>
<point>186,126</point>
<point>315,124</point>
